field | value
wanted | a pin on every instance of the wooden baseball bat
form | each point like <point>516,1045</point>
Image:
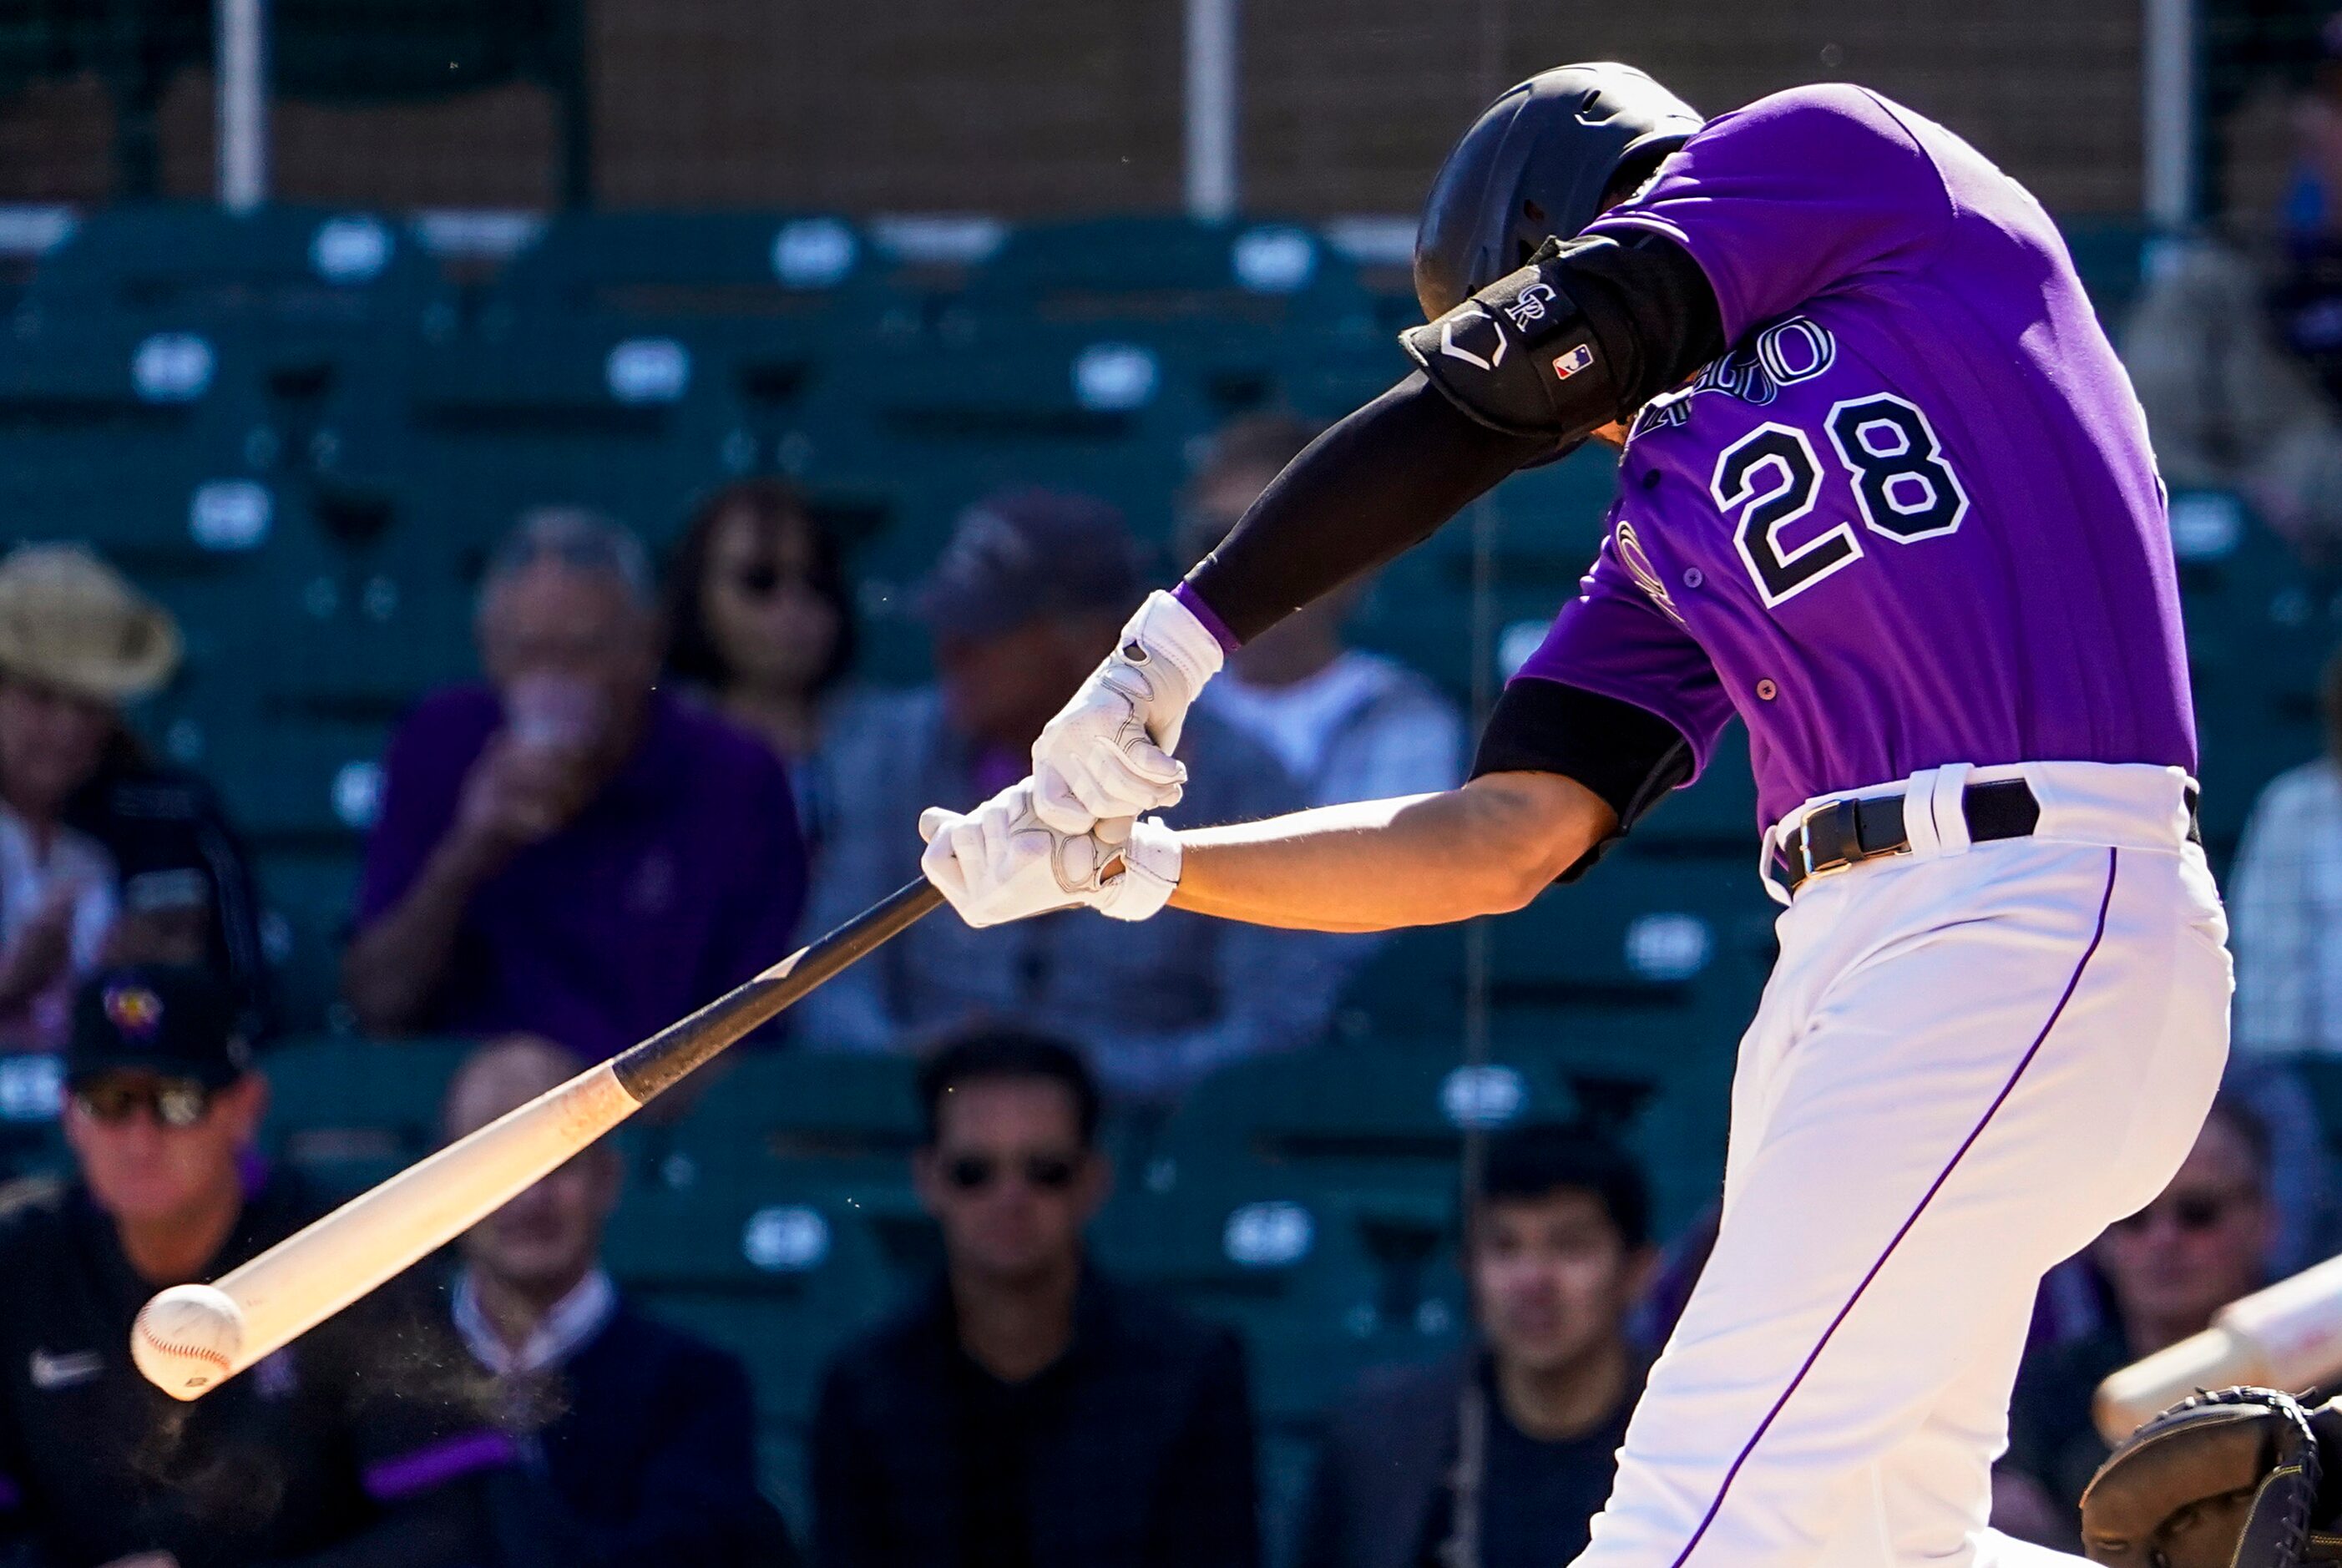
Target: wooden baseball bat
<point>2287,1336</point>
<point>315,1272</point>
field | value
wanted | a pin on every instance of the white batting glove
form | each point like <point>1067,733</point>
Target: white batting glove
<point>1108,753</point>
<point>1001,862</point>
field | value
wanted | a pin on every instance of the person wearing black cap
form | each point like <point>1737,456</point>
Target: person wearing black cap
<point>1024,599</point>
<point>354,1445</point>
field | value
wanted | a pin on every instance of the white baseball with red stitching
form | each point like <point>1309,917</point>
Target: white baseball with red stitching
<point>186,1340</point>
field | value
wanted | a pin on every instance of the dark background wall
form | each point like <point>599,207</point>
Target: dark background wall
<point>1012,106</point>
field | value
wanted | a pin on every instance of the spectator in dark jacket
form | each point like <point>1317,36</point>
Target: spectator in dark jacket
<point>570,852</point>
<point>1501,1457</point>
<point>645,1433</point>
<point>103,853</point>
<point>360,1445</point>
<point>1029,1413</point>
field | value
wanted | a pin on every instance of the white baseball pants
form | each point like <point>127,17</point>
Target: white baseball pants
<point>1970,1059</point>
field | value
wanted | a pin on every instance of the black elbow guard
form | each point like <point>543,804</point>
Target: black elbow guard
<point>1588,331</point>
<point>1521,355</point>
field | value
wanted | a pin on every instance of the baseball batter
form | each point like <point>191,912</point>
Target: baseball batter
<point>1885,495</point>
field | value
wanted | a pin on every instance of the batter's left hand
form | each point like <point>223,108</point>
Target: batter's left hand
<point>1001,862</point>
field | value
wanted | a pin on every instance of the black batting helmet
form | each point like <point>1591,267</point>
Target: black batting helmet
<point>1537,164</point>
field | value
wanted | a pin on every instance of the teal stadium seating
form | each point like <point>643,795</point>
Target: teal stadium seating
<point>1231,300</point>
<point>346,1113</point>
<point>780,1277</point>
<point>32,1089</point>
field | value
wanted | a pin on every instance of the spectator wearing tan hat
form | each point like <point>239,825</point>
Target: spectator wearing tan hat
<point>104,853</point>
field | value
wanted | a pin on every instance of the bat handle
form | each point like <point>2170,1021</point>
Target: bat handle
<point>652,1066</point>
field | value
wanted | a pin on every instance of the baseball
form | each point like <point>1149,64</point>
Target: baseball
<point>185,1339</point>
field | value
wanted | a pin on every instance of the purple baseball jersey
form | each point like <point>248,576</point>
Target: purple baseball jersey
<point>1910,517</point>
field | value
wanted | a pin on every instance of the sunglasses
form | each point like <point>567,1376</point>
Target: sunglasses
<point>1047,1173</point>
<point>178,1103</point>
<point>2194,1213</point>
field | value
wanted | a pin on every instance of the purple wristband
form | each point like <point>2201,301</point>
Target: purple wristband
<point>1185,593</point>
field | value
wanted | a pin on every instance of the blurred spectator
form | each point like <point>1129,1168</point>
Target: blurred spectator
<point>1029,1411</point>
<point>2285,910</point>
<point>568,851</point>
<point>2285,902</point>
<point>1500,1458</point>
<point>103,853</point>
<point>2237,358</point>
<point>1347,725</point>
<point>2167,1268</point>
<point>761,620</point>
<point>353,1445</point>
<point>645,1432</point>
<point>1028,595</point>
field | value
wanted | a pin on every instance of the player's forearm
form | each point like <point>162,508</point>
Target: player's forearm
<point>1419,860</point>
<point>1379,481</point>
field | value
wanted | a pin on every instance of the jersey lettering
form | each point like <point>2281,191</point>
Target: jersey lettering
<point>1785,353</point>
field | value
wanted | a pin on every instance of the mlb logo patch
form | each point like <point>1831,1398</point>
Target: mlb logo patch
<point>133,1009</point>
<point>1566,366</point>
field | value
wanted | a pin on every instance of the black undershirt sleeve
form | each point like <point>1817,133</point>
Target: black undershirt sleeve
<point>1388,475</point>
<point>1378,481</point>
<point>1628,756</point>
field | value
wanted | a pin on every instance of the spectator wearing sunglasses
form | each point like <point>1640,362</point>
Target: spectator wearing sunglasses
<point>2167,1269</point>
<point>566,851</point>
<point>1028,1411</point>
<point>350,1446</point>
<point>760,622</point>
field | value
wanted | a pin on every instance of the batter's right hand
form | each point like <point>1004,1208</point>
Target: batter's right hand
<point>1108,753</point>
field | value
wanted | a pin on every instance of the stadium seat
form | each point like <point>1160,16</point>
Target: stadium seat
<point>308,898</point>
<point>781,1277</point>
<point>2110,254</point>
<point>1067,408</point>
<point>1341,1107</point>
<point>1652,931</point>
<point>32,1095</point>
<point>1227,298</point>
<point>797,1104</point>
<point>688,344</point>
<point>312,313</point>
<point>550,412</point>
<point>842,1126</point>
<point>135,439</point>
<point>753,273</point>
<point>2259,630</point>
<point>1288,1266</point>
<point>348,1113</point>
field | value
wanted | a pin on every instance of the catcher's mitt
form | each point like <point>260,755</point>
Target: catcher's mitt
<point>2225,1480</point>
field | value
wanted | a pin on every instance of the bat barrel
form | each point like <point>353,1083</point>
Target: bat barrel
<point>652,1067</point>
<point>311,1275</point>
